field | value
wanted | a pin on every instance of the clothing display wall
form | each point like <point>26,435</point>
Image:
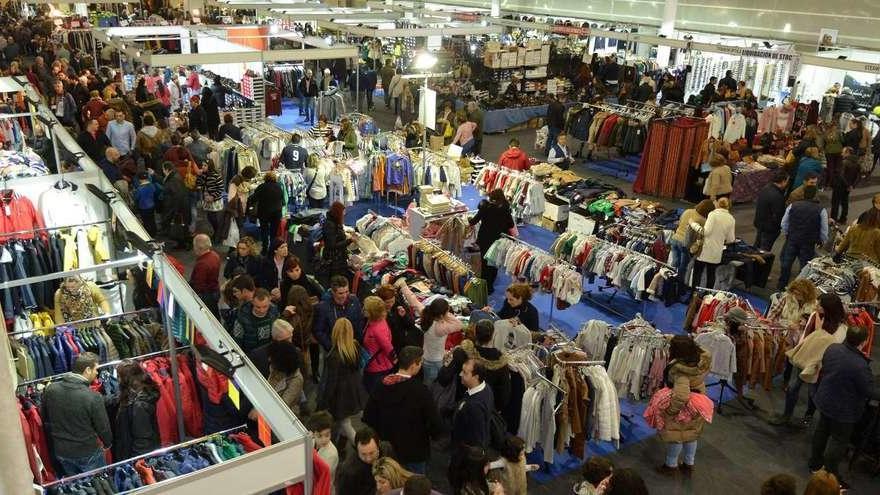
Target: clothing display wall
<point>671,152</point>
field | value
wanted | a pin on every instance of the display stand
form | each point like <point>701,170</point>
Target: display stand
<point>283,463</point>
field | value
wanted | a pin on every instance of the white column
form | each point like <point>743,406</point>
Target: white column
<point>495,9</point>
<point>667,27</point>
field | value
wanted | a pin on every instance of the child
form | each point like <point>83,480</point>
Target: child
<point>596,472</point>
<point>320,424</point>
<point>145,197</point>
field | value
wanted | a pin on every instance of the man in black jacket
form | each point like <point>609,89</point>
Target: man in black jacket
<point>845,386</point>
<point>728,82</point>
<point>355,475</point>
<point>198,119</point>
<point>470,422</point>
<point>805,224</point>
<point>76,419</point>
<point>403,399</point>
<point>769,209</point>
<point>555,121</point>
<point>495,362</point>
<point>844,103</point>
<point>92,141</point>
<point>709,94</point>
<point>175,207</point>
<point>308,88</point>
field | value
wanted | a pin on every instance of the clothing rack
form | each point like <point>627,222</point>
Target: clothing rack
<point>164,450</point>
<point>558,261</point>
<point>728,293</point>
<point>526,352</point>
<point>64,227</point>
<point>436,216</point>
<point>622,110</point>
<point>455,258</point>
<point>110,265</point>
<point>106,365</point>
<point>85,320</point>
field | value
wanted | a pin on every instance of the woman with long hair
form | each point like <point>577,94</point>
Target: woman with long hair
<point>377,343</point>
<point>683,237</point>
<point>245,259</point>
<point>495,218</point>
<point>299,312</point>
<point>805,359</point>
<point>685,374</point>
<point>340,391</point>
<point>137,431</point>
<point>626,482</point>
<point>284,370</point>
<point>795,305</point>
<point>389,475</point>
<point>334,255</point>
<point>438,322</point>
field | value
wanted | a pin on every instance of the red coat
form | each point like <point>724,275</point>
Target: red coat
<point>17,213</point>
<point>514,158</point>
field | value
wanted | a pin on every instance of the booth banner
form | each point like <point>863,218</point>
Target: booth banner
<point>428,109</point>
<point>466,16</point>
<point>571,30</point>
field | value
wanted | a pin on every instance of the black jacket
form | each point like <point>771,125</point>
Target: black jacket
<point>236,265</point>
<point>75,418</point>
<point>672,94</point>
<point>556,115</point>
<point>497,372</point>
<point>137,431</point>
<point>845,384</point>
<point>728,82</point>
<point>268,198</point>
<point>267,274</point>
<point>494,220</point>
<point>355,477</point>
<point>312,90</point>
<point>229,130</point>
<point>526,313</point>
<point>198,120</point>
<point>404,331</point>
<point>769,209</point>
<point>804,220</point>
<point>335,244</point>
<point>404,401</point>
<point>93,146</point>
<point>211,111</point>
<point>643,93</point>
<point>848,174</point>
<point>341,392</point>
<point>470,423</point>
<point>174,198</point>
<point>307,282</point>
<point>853,139</point>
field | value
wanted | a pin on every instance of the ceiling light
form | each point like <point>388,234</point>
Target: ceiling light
<point>787,28</point>
<point>424,61</point>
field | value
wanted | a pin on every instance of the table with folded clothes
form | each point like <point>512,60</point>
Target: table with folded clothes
<point>752,268</point>
<point>748,180</point>
<point>839,275</point>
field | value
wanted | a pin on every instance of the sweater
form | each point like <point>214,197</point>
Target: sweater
<point>515,159</point>
<point>718,231</point>
<point>470,422</point>
<point>75,417</point>
<point>684,223</point>
<point>719,182</point>
<point>807,355</point>
<point>435,338</point>
<point>251,331</point>
<point>377,342</point>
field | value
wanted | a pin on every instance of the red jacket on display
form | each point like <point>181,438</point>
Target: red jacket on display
<point>514,158</point>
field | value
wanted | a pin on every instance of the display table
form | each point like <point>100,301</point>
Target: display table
<point>747,185</point>
<point>503,119</point>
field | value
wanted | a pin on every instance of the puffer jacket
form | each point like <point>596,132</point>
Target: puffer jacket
<point>684,379</point>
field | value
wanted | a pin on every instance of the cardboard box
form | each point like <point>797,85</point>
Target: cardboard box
<point>533,43</point>
<point>556,212</point>
<point>548,223</point>
<point>493,46</point>
<point>520,57</point>
<point>533,57</point>
<point>492,59</point>
<point>545,54</point>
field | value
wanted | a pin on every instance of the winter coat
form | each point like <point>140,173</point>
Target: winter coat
<point>335,244</point>
<point>526,312</point>
<point>288,387</point>
<point>401,400</point>
<point>555,115</point>
<point>377,341</point>
<point>514,158</point>
<point>137,431</point>
<point>494,220</point>
<point>684,379</point>
<point>769,209</point>
<point>807,355</point>
<point>846,384</point>
<point>268,198</point>
<point>355,477</point>
<point>198,120</point>
<point>236,265</point>
<point>326,314</point>
<point>341,391</point>
<point>497,371</point>
<point>75,417</point>
<point>175,199</point>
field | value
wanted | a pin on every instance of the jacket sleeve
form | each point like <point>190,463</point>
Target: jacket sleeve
<point>479,216</point>
<point>383,337</point>
<point>142,421</point>
<point>529,318</point>
<point>293,392</point>
<point>448,373</point>
<point>412,300</point>
<point>322,322</point>
<point>100,421</point>
<point>681,393</point>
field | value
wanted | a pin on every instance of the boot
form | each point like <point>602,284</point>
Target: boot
<point>666,470</point>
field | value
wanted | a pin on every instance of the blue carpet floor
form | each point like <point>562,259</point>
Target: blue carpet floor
<point>624,168</point>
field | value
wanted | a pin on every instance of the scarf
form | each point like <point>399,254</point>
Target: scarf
<point>77,304</point>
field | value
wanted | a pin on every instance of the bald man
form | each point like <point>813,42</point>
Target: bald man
<point>205,277</point>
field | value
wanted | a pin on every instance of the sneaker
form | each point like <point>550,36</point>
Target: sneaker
<point>779,420</point>
<point>666,470</point>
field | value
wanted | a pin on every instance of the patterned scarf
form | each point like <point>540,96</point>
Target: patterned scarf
<point>77,304</point>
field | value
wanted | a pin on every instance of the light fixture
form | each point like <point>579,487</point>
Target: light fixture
<point>424,61</point>
<point>787,28</point>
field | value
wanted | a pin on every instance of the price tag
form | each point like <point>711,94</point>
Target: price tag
<point>264,433</point>
<point>233,394</point>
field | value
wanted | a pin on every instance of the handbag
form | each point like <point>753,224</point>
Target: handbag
<point>365,358</point>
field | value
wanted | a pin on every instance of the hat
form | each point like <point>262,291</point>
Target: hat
<point>737,315</point>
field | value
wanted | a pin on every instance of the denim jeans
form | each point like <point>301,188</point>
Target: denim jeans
<point>790,252</point>
<point>309,107</point>
<point>673,449</point>
<point>681,256</point>
<point>793,392</point>
<point>72,466</point>
<point>430,370</point>
<point>552,136</point>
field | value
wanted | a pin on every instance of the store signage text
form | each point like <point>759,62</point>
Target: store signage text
<point>872,67</point>
<point>465,16</point>
<point>575,30</point>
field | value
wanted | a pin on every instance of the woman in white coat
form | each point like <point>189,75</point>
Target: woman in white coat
<point>717,232</point>
<point>395,89</point>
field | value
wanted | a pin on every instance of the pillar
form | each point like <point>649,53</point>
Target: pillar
<point>17,476</point>
<point>495,9</point>
<point>667,28</point>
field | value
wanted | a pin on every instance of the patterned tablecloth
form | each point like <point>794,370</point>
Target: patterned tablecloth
<point>747,185</point>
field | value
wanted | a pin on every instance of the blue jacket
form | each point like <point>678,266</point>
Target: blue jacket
<point>328,312</point>
<point>845,384</point>
<point>470,423</point>
<point>806,165</point>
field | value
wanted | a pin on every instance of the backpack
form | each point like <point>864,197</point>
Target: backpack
<point>497,431</point>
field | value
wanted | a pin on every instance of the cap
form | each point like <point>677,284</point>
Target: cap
<point>737,315</point>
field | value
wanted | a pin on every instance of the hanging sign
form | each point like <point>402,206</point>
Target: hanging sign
<point>571,30</point>
<point>264,433</point>
<point>465,16</point>
<point>428,108</point>
<point>233,394</point>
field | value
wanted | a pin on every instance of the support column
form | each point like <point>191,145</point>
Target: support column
<point>495,9</point>
<point>667,27</point>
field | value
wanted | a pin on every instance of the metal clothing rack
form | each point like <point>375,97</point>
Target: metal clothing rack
<point>85,320</point>
<point>106,365</point>
<point>157,452</point>
<point>728,293</point>
<point>455,258</point>
<point>46,229</point>
<point>559,261</point>
<point>134,260</point>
